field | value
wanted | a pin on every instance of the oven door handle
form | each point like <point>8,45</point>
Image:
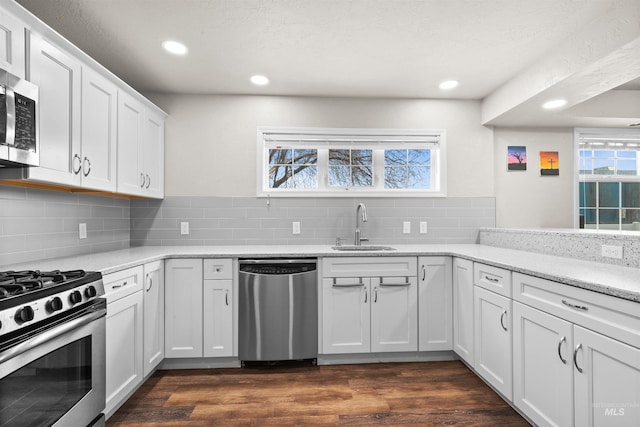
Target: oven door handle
<point>51,334</point>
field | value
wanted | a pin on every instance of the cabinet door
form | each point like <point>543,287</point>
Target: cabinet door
<point>463,309</point>
<point>435,294</point>
<point>130,133</point>
<point>218,329</point>
<point>99,124</point>
<point>58,77</point>
<point>12,46</point>
<point>394,314</point>
<point>606,381</point>
<point>346,315</point>
<point>123,349</point>
<point>183,309</point>
<point>492,341</point>
<point>153,155</point>
<point>542,372</point>
<point>153,315</point>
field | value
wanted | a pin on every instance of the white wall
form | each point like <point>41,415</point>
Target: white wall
<point>211,140</point>
<point>526,199</point>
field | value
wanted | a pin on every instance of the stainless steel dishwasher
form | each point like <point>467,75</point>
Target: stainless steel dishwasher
<point>278,309</point>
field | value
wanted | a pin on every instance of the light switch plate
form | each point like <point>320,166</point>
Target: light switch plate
<point>406,227</point>
<point>184,228</point>
<point>296,227</point>
<point>423,227</point>
<point>82,230</point>
<point>611,251</point>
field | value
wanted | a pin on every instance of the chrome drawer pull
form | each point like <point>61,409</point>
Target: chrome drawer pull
<point>491,279</point>
<point>382,285</point>
<point>353,285</point>
<point>575,357</point>
<point>119,286</point>
<point>562,340</point>
<point>577,307</point>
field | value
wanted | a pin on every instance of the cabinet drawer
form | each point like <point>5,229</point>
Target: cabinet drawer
<point>122,283</point>
<point>218,268</point>
<point>495,279</point>
<point>614,317</point>
<point>369,266</point>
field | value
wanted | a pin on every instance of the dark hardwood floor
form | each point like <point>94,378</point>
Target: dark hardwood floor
<point>418,394</point>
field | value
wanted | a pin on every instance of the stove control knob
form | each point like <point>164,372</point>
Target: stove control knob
<point>90,292</point>
<point>54,304</point>
<point>75,297</point>
<point>24,314</point>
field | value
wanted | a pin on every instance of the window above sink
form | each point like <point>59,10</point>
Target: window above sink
<point>351,162</point>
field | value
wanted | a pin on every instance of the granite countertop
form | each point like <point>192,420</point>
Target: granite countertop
<point>618,281</point>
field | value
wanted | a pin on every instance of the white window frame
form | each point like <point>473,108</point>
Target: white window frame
<point>354,138</point>
<point>606,136</point>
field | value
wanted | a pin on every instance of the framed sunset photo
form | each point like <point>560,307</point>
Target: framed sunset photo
<point>516,158</point>
<point>549,163</point>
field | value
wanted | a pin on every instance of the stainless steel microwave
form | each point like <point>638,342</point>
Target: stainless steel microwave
<point>19,142</point>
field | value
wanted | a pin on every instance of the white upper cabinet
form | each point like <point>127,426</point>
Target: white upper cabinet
<point>12,44</point>
<point>58,77</point>
<point>140,149</point>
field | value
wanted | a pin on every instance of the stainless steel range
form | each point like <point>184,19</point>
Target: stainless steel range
<point>52,348</point>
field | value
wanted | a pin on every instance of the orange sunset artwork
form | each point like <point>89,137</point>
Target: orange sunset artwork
<point>549,163</point>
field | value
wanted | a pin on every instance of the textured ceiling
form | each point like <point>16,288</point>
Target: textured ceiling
<point>394,48</point>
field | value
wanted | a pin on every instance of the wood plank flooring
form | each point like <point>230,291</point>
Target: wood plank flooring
<point>407,394</point>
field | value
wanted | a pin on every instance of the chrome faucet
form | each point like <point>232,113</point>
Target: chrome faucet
<point>358,240</point>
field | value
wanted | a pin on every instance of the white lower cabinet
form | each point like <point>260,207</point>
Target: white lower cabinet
<point>463,331</point>
<point>218,331</point>
<point>492,339</point>
<point>435,303</point>
<point>124,336</point>
<point>369,305</point>
<point>153,315</point>
<point>183,309</point>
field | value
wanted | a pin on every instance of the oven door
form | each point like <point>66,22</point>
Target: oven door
<point>56,377</point>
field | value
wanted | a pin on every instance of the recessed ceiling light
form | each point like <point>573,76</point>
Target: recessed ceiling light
<point>174,47</point>
<point>449,84</point>
<point>555,103</point>
<point>259,80</point>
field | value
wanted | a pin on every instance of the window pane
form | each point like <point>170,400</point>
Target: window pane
<point>419,157</point>
<point>339,176</point>
<point>603,167</point>
<point>395,177</point>
<point>419,177</point>
<point>627,154</point>
<point>586,153</point>
<point>627,167</point>
<point>280,177</point>
<point>630,216</point>
<point>361,157</point>
<point>588,194</point>
<point>280,156</point>
<point>589,215</point>
<point>395,157</point>
<point>609,195</point>
<point>608,216</point>
<point>339,157</point>
<point>305,156</point>
<point>361,176</point>
<point>586,166</point>
<point>631,194</point>
<point>603,153</point>
<point>306,177</point>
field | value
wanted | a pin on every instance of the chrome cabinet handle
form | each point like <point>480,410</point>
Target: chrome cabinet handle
<point>424,273</point>
<point>577,307</point>
<point>353,285</point>
<point>365,296</point>
<point>150,279</point>
<point>143,180</point>
<point>375,295</point>
<point>504,313</point>
<point>575,357</point>
<point>562,340</point>
<point>86,171</point>
<point>148,181</point>
<point>226,297</point>
<point>76,171</point>
<point>119,286</point>
<point>491,279</point>
<point>382,285</point>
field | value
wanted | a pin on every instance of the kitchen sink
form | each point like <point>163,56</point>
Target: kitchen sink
<point>362,248</point>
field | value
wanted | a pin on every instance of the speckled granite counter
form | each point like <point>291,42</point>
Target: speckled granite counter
<point>618,281</point>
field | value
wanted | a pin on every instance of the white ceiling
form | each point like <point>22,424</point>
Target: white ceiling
<point>501,51</point>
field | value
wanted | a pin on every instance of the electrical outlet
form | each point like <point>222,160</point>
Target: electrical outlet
<point>296,227</point>
<point>611,251</point>
<point>423,227</point>
<point>406,227</point>
<point>82,230</point>
<point>184,228</point>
